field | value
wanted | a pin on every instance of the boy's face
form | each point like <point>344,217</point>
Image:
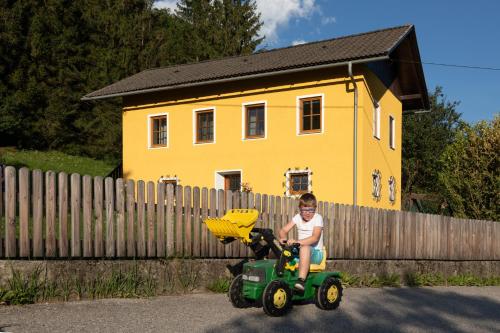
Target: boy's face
<point>307,213</point>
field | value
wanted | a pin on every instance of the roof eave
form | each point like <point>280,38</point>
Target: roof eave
<point>238,78</point>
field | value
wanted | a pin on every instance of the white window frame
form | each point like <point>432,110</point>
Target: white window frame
<point>376,120</point>
<point>209,108</point>
<point>244,120</point>
<point>149,130</point>
<point>288,178</point>
<point>219,177</point>
<point>392,132</point>
<point>161,179</point>
<point>323,102</point>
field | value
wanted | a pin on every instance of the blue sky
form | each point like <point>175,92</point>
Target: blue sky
<point>450,32</point>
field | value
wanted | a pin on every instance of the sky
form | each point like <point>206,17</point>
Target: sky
<point>465,33</point>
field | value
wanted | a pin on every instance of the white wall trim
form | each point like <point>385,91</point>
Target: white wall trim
<point>149,116</point>
<point>297,121</point>
<point>243,120</point>
<point>219,177</point>
<point>392,129</point>
<point>208,108</point>
<point>377,110</point>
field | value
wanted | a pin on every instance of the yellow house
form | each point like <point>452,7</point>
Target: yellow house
<point>323,117</point>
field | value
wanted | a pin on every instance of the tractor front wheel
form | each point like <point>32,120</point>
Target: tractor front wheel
<point>329,294</point>
<point>277,298</point>
<point>236,293</point>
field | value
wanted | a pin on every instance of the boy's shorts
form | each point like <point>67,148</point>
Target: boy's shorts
<point>316,256</point>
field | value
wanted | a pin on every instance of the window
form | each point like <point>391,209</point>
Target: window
<point>204,126</point>
<point>299,183</point>
<point>255,121</point>
<point>169,180</point>
<point>376,121</point>
<point>158,128</point>
<point>310,115</point>
<point>232,182</point>
<point>392,132</point>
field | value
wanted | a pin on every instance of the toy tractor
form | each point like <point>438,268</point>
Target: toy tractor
<point>268,282</point>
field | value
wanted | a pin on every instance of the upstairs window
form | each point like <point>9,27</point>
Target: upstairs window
<point>310,115</point>
<point>158,128</point>
<point>205,126</point>
<point>392,132</point>
<point>376,121</point>
<point>255,124</point>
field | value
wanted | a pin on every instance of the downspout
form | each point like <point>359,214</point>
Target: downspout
<point>355,154</point>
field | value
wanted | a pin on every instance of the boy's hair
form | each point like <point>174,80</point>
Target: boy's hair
<point>307,200</point>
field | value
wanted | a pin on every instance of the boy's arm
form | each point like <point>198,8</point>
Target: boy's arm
<point>312,239</point>
<point>284,231</point>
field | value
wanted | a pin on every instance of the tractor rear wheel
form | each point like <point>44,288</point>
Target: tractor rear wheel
<point>329,294</point>
<point>277,298</point>
<point>236,293</point>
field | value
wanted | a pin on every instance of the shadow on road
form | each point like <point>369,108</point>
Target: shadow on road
<point>404,309</point>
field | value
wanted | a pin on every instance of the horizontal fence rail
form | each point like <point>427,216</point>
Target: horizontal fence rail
<point>49,215</point>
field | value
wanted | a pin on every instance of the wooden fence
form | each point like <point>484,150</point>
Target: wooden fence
<point>49,215</point>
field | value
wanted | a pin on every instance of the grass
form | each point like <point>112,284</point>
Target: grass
<point>220,285</point>
<point>55,161</point>
<point>32,287</point>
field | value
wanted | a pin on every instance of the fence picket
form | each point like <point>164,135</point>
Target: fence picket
<point>98,217</point>
<point>160,221</point>
<point>188,222</point>
<point>75,215</point>
<point>37,202</point>
<point>204,215</point>
<point>110,218</point>
<point>10,212</point>
<point>141,219</point>
<point>213,213</point>
<point>196,222</point>
<point>178,220</point>
<point>220,213</point>
<point>130,193</point>
<point>170,220</point>
<point>24,213</point>
<point>150,207</point>
<point>87,216</point>
<point>121,249</point>
<point>63,214</point>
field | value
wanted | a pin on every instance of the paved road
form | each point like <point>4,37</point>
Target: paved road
<point>452,309</point>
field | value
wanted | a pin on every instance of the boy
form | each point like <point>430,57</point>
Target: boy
<point>310,231</point>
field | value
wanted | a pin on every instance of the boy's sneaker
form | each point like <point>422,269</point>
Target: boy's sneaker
<point>300,285</point>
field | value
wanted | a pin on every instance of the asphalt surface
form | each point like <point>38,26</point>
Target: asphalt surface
<point>438,309</point>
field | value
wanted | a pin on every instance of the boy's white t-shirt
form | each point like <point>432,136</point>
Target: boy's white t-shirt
<point>305,229</point>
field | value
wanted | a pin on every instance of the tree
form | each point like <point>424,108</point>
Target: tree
<point>469,175</point>
<point>425,137</point>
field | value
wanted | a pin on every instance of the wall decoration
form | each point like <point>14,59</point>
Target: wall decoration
<point>392,190</point>
<point>377,184</point>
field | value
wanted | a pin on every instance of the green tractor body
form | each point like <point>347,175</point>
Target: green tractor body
<point>258,274</point>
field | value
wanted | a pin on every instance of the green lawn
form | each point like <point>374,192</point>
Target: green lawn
<point>55,161</point>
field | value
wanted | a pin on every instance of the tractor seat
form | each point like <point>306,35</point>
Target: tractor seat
<point>321,266</point>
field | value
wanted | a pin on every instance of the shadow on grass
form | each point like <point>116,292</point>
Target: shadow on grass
<point>403,310</point>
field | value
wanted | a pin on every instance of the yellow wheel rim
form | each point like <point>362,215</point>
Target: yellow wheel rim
<point>279,299</point>
<point>332,294</point>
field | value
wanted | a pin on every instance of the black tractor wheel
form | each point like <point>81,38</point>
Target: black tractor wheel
<point>236,293</point>
<point>329,294</point>
<point>277,298</point>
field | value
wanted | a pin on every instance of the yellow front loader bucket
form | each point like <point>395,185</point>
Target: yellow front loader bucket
<point>237,223</point>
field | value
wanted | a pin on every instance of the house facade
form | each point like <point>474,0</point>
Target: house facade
<point>323,117</point>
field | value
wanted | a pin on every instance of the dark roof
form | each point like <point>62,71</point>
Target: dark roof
<point>360,46</point>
